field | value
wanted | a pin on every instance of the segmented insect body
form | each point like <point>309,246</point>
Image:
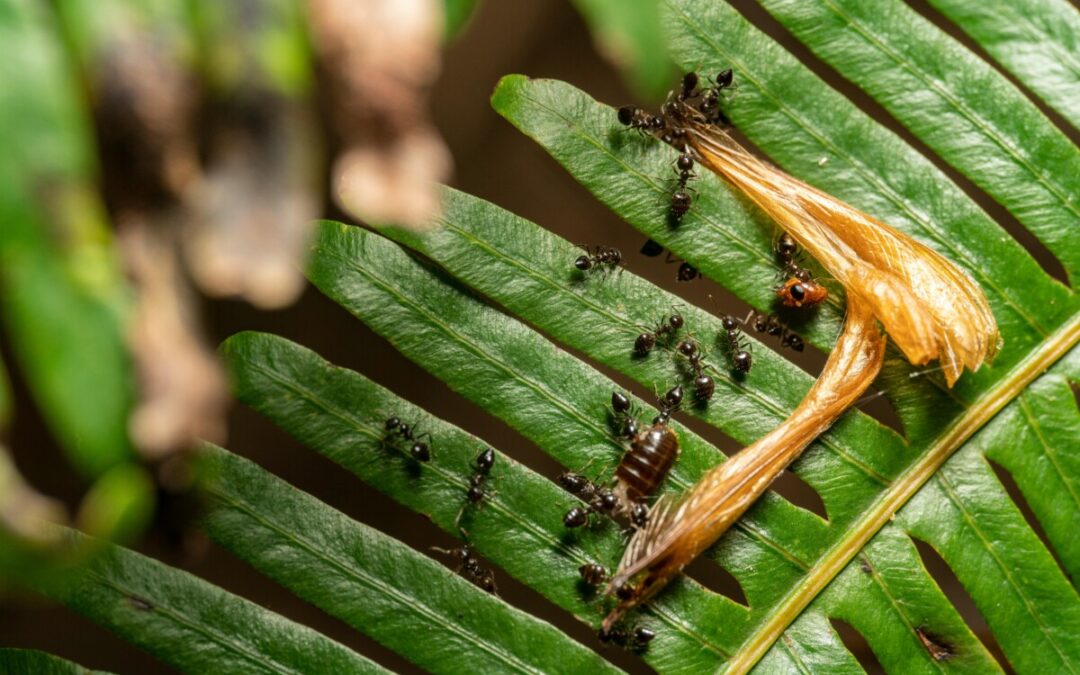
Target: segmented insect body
<point>741,360</point>
<point>709,106</point>
<point>418,450</point>
<point>687,272</point>
<point>653,451</point>
<point>593,574</point>
<point>798,293</point>
<point>608,256</point>
<point>704,385</point>
<point>484,461</point>
<point>768,323</point>
<point>799,288</point>
<point>469,568</point>
<point>681,199</point>
<point>645,342</point>
<point>638,119</point>
<point>633,640</point>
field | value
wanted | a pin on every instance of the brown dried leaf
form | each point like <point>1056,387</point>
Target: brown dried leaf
<point>379,58</point>
<point>680,529</point>
<point>930,308</point>
<point>182,393</point>
<point>23,509</point>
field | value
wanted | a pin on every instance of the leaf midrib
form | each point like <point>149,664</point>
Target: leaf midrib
<point>889,502</point>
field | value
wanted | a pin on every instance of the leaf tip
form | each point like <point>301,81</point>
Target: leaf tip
<point>505,92</point>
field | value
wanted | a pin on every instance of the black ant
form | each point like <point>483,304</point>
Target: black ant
<point>799,288</point>
<point>768,323</point>
<point>593,574</point>
<point>600,255</point>
<point>636,118</point>
<point>741,361</point>
<point>681,199</point>
<point>704,385</point>
<point>637,640</point>
<point>688,86</point>
<point>476,493</point>
<point>418,450</point>
<point>687,272</point>
<point>710,98</point>
<point>597,499</point>
<point>646,341</point>
<point>469,567</point>
<point>484,461</point>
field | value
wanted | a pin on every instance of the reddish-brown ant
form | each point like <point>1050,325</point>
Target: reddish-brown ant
<point>799,288</point>
<point>653,449</point>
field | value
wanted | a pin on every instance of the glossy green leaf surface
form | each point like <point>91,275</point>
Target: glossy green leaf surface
<point>374,583</point>
<point>1038,41</point>
<point>190,624</point>
<point>956,103</point>
<point>18,661</point>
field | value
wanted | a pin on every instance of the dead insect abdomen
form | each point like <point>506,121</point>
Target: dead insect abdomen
<point>652,452</point>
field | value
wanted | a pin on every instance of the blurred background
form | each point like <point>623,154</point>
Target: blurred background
<point>263,115</point>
